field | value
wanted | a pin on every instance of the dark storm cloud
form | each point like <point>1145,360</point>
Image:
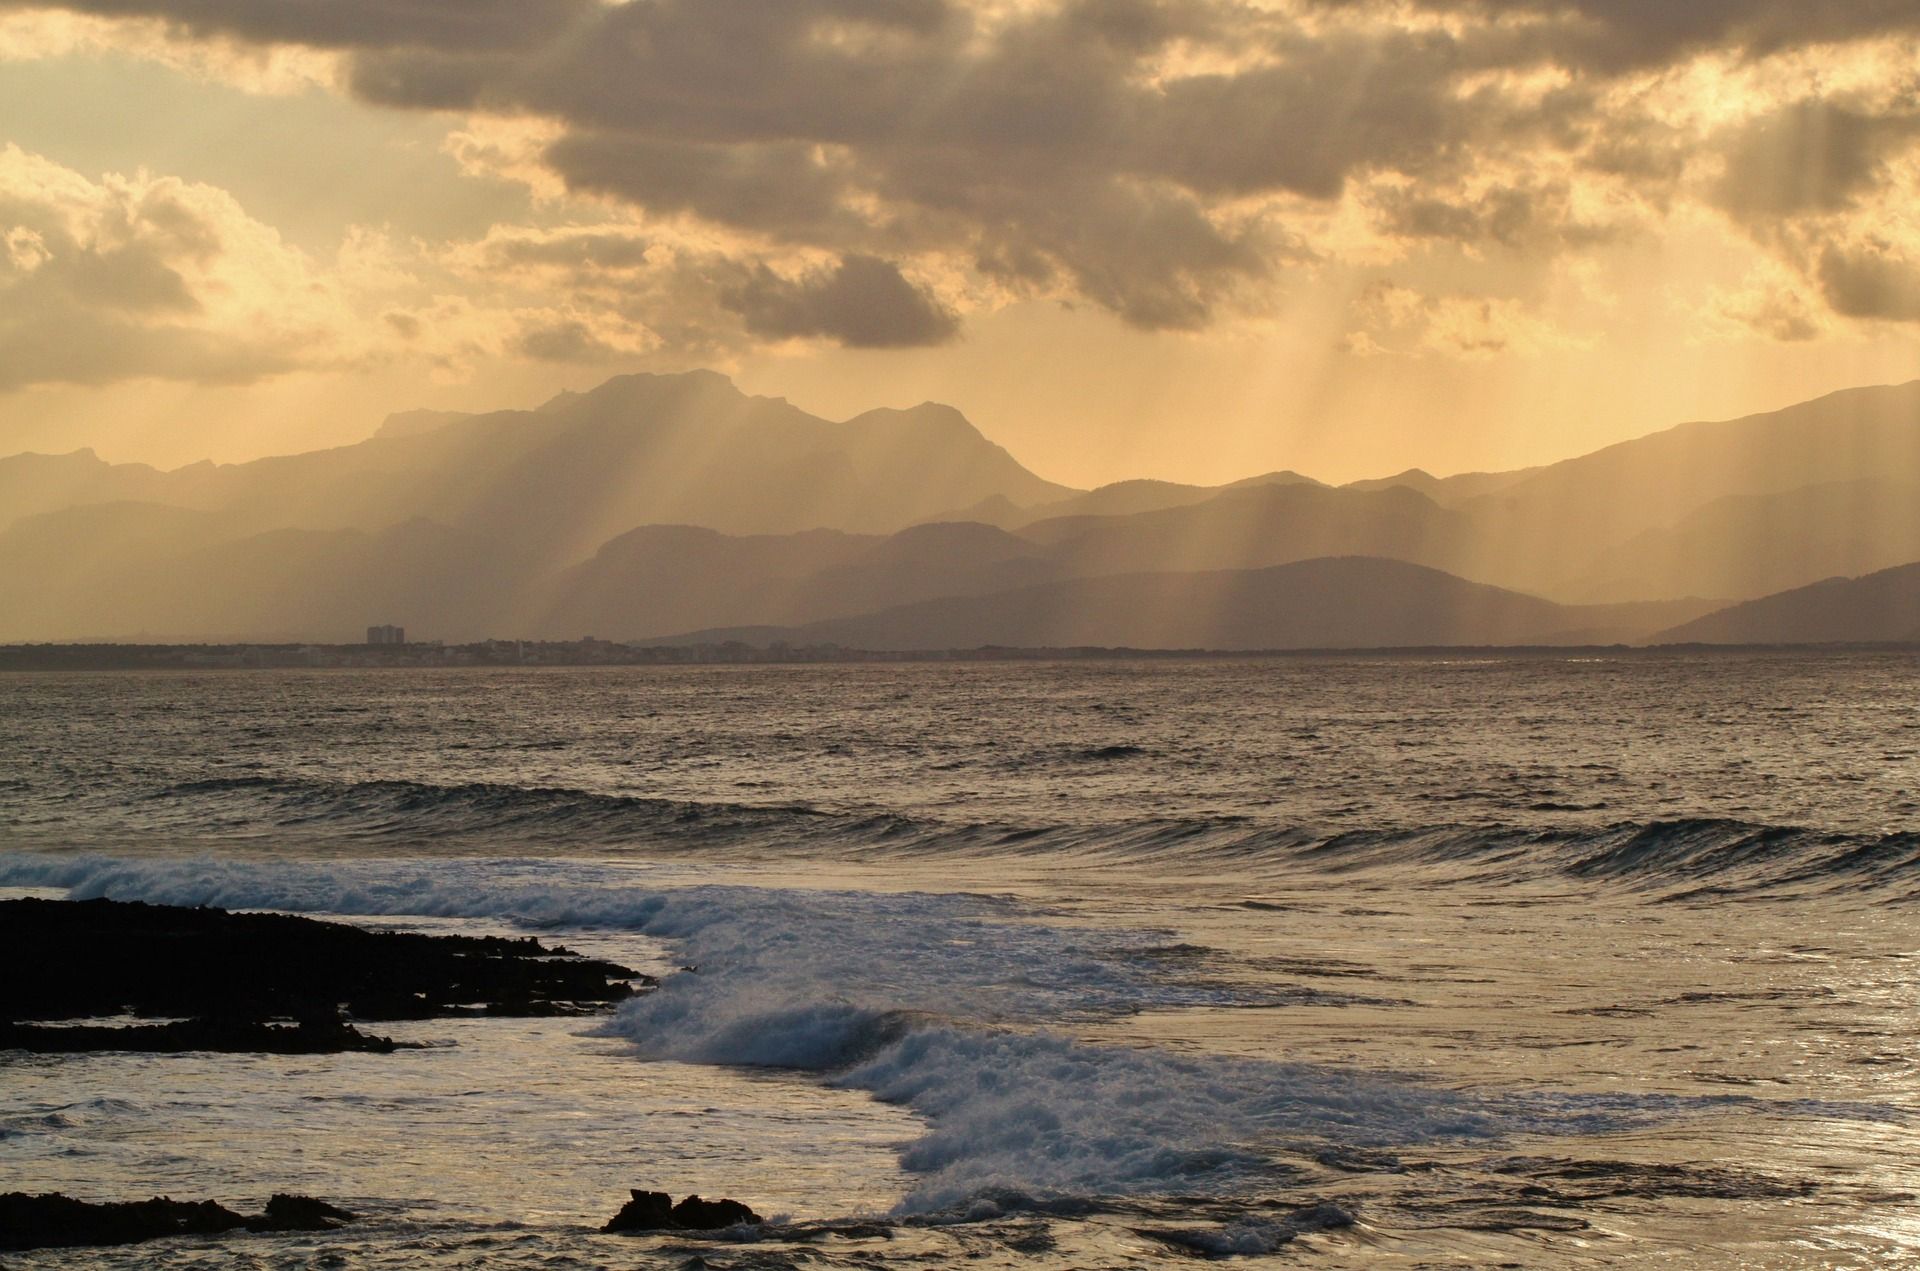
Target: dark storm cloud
<point>1871,282</point>
<point>1796,177</point>
<point>1610,36</point>
<point>780,188</point>
<point>1305,125</point>
<point>863,303</point>
<point>1642,32</point>
<point>884,127</point>
<point>1811,157</point>
<point>1517,217</point>
<point>603,250</point>
<point>355,24</point>
<point>1101,150</point>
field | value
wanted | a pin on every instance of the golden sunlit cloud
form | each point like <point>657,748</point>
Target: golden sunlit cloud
<point>151,276</point>
<point>722,183</point>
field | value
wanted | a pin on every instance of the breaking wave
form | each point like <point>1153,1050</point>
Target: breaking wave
<point>1684,858</point>
<point>946,1004</point>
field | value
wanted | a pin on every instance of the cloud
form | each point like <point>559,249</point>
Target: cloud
<point>786,190</point>
<point>1397,319</point>
<point>1615,36</point>
<point>603,249</point>
<point>1040,138</point>
<point>561,337</point>
<point>1173,162</point>
<point>1871,280</point>
<point>1775,304</point>
<point>37,33</point>
<point>1827,187</point>
<point>862,302</point>
<point>149,277</point>
<point>468,25</point>
<point>1810,157</point>
<point>1524,215</point>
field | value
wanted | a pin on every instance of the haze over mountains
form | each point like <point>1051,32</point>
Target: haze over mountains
<point>1337,602</point>
<point>1881,607</point>
<point>655,506</point>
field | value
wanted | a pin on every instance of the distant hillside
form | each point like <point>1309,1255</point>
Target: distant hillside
<point>1755,544</point>
<point>187,581</point>
<point>1349,602</point>
<point>660,579</point>
<point>662,503</point>
<point>560,481</point>
<point>1553,531</point>
<point>1881,607</point>
<point>1259,526</point>
<point>1446,491</point>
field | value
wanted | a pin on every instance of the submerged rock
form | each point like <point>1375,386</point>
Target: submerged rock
<point>57,1221</point>
<point>655,1211</point>
<point>286,1212</point>
<point>1251,1236</point>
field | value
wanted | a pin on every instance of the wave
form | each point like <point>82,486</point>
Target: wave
<point>946,1004</point>
<point>941,1003</point>
<point>1689,858</point>
<point>401,808</point>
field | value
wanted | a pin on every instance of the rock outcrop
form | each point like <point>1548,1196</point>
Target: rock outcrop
<point>268,983</point>
<point>57,1221</point>
<point>655,1211</point>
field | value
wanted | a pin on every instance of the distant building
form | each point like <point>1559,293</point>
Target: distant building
<point>386,634</point>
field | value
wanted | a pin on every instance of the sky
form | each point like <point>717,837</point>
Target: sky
<point>1189,239</point>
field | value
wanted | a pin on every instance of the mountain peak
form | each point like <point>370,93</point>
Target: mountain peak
<point>925,415</point>
<point>641,387</point>
<point>1284,476</point>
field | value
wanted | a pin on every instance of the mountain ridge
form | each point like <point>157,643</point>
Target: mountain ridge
<point>1878,608</point>
<point>1352,602</point>
<point>574,516</point>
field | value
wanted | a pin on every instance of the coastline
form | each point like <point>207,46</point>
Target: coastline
<point>529,654</point>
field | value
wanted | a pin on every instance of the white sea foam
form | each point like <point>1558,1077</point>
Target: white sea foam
<point>935,1002</point>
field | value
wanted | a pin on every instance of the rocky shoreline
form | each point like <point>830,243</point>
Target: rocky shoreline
<point>204,979</point>
<point>57,1221</point>
<point>219,1035</point>
<point>264,983</point>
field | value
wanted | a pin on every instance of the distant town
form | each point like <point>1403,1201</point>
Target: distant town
<point>387,646</point>
<point>391,649</point>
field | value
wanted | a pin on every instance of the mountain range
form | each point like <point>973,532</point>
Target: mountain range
<point>676,506</point>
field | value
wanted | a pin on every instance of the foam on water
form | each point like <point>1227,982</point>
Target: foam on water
<point>940,1003</point>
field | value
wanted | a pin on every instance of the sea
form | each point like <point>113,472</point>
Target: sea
<point>1376,961</point>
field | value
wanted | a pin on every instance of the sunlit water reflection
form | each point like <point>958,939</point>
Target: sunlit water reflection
<point>1122,949</point>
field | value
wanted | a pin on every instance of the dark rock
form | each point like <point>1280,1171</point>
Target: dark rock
<point>647,1211</point>
<point>835,1229</point>
<point>1251,1234</point>
<point>1325,1216</point>
<point>103,957</point>
<point>655,1211</point>
<point>56,1221</point>
<point>232,1036</point>
<point>299,1213</point>
<point>711,1215</point>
